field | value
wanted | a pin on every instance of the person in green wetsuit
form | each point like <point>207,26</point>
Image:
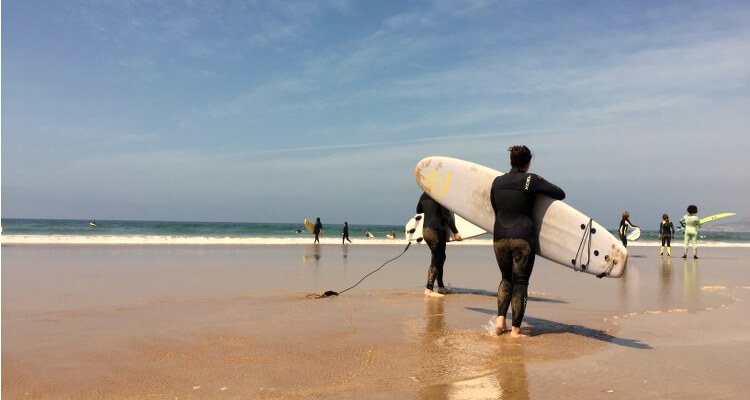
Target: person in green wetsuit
<point>691,222</point>
<point>666,233</point>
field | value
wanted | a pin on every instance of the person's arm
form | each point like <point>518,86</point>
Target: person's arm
<point>450,221</point>
<point>492,197</point>
<point>671,227</point>
<point>540,185</point>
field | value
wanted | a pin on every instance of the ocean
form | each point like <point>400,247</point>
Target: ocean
<point>51,231</point>
<point>174,232</point>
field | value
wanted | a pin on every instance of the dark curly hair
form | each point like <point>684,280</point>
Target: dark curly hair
<point>692,209</point>
<point>520,156</point>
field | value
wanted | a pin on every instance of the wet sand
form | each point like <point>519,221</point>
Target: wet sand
<point>233,322</point>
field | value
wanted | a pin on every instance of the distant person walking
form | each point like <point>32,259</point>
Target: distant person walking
<point>666,233</point>
<point>316,231</point>
<point>437,219</point>
<point>691,222</point>
<point>623,230</point>
<point>346,233</point>
<point>514,242</point>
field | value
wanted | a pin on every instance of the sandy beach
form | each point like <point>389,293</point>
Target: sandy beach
<point>234,322</point>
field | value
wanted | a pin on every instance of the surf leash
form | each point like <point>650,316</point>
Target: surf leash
<point>585,247</point>
<point>330,293</point>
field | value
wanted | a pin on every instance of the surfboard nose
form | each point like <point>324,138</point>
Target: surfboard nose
<point>619,261</point>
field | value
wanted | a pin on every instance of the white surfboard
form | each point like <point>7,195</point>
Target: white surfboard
<point>413,229</point>
<point>634,235</point>
<point>710,219</point>
<point>566,236</point>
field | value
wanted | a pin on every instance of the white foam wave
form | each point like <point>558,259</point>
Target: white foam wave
<point>202,240</point>
<point>197,240</point>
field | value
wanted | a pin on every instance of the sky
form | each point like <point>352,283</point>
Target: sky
<point>276,111</point>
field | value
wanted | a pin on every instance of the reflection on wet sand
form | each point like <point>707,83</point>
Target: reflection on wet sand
<point>690,285</point>
<point>665,276</point>
<point>669,288</point>
<point>312,252</point>
<point>449,370</point>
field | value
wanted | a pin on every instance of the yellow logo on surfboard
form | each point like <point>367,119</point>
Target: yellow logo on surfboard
<point>437,186</point>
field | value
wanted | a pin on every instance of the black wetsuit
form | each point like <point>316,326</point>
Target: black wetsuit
<point>346,234</point>
<point>666,231</point>
<point>513,196</point>
<point>436,220</point>
<point>623,230</point>
<point>316,231</point>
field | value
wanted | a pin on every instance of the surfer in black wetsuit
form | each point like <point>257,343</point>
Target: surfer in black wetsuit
<point>666,233</point>
<point>316,231</point>
<point>346,233</point>
<point>623,230</point>
<point>436,220</point>
<point>513,196</point>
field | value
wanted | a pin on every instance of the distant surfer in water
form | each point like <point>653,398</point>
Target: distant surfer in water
<point>623,230</point>
<point>346,233</point>
<point>436,220</point>
<point>691,222</point>
<point>666,233</point>
<point>316,231</point>
<point>513,196</point>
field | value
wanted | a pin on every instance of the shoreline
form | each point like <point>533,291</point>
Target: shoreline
<point>212,241</point>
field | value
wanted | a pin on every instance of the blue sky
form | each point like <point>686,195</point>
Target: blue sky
<point>275,111</point>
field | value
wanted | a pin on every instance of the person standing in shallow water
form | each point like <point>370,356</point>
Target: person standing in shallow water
<point>623,230</point>
<point>316,231</point>
<point>514,242</point>
<point>346,233</point>
<point>691,222</point>
<point>666,233</point>
<point>436,220</point>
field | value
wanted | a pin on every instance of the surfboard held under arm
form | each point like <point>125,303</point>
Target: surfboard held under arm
<point>413,229</point>
<point>710,218</point>
<point>565,235</point>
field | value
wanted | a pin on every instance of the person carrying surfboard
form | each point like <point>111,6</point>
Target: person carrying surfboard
<point>666,233</point>
<point>436,220</point>
<point>691,222</point>
<point>515,242</point>
<point>622,231</point>
<point>316,231</point>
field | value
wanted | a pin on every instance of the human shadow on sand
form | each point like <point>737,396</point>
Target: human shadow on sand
<point>546,327</point>
<point>482,292</point>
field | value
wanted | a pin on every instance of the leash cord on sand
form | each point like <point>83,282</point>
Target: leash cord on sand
<point>332,293</point>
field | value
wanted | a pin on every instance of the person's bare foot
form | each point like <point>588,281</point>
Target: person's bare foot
<point>500,325</point>
<point>444,290</point>
<point>516,333</point>
<point>430,293</point>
